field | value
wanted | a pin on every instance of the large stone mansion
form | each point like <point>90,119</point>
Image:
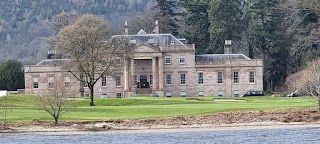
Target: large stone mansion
<point>165,66</point>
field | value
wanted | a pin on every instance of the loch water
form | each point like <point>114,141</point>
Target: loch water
<point>256,136</point>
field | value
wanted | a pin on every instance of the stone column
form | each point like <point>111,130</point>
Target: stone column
<point>126,78</point>
<point>132,75</point>
<point>154,75</point>
<point>161,79</point>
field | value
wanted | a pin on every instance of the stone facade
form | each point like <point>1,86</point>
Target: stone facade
<point>164,65</point>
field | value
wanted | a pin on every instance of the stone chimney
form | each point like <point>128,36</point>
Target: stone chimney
<point>227,47</point>
<point>156,29</point>
<point>126,30</point>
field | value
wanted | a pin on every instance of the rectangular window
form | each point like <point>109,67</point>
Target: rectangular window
<point>236,93</point>
<point>168,79</point>
<point>85,82</point>
<point>167,59</point>
<point>86,95</point>
<point>235,77</point>
<point>182,59</point>
<point>118,80</point>
<point>168,94</point>
<point>183,79</point>
<point>220,77</point>
<point>150,80</point>
<point>50,82</point>
<point>35,82</point>
<point>220,93</point>
<point>201,93</point>
<point>104,81</point>
<point>251,77</point>
<point>67,81</point>
<point>200,78</point>
<point>119,95</point>
<point>118,61</point>
<point>183,93</point>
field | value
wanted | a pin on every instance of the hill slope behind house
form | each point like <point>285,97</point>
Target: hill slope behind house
<point>24,24</point>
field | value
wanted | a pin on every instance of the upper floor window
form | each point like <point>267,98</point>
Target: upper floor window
<point>168,79</point>
<point>118,61</point>
<point>118,80</point>
<point>183,79</point>
<point>104,81</point>
<point>167,59</point>
<point>200,77</point>
<point>51,82</point>
<point>182,59</point>
<point>220,77</point>
<point>35,82</point>
<point>235,77</point>
<point>67,81</point>
<point>251,76</point>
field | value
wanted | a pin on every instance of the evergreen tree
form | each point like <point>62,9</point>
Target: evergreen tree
<point>11,75</point>
<point>196,19</point>
<point>225,17</point>
<point>271,40</point>
<point>168,15</point>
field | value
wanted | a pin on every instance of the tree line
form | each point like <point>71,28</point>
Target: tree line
<point>283,33</point>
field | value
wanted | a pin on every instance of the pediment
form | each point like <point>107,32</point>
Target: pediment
<point>142,48</point>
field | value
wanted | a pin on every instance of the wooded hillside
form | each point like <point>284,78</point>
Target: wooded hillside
<point>24,24</point>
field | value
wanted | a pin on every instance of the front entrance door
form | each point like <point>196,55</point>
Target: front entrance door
<point>144,81</point>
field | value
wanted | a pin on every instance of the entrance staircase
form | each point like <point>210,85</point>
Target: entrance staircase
<point>144,91</point>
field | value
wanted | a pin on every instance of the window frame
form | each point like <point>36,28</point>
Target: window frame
<point>219,79</point>
<point>119,95</point>
<point>182,58</point>
<point>168,81</point>
<point>252,77</point>
<point>200,79</point>
<point>150,80</point>
<point>183,93</point>
<point>35,84</point>
<point>67,82</point>
<point>236,77</point>
<point>104,81</point>
<point>183,79</point>
<point>118,81</point>
<point>220,93</point>
<point>51,82</point>
<point>165,60</point>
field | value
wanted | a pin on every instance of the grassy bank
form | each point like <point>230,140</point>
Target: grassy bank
<point>24,108</point>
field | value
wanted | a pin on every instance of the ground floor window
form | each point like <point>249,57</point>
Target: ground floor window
<point>150,80</point>
<point>86,95</point>
<point>118,80</point>
<point>51,82</point>
<point>168,79</point>
<point>35,82</point>
<point>119,95</point>
<point>220,93</point>
<point>236,93</point>
<point>183,93</point>
<point>201,93</point>
<point>168,94</point>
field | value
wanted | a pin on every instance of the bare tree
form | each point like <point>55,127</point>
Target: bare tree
<point>92,54</point>
<point>309,81</point>
<point>58,98</point>
<point>6,108</point>
<point>62,20</point>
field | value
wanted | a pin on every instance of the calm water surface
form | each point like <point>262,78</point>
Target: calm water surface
<point>274,136</point>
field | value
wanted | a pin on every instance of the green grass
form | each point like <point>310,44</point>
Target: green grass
<point>148,107</point>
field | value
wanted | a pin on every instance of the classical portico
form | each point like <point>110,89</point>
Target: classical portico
<point>143,72</point>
